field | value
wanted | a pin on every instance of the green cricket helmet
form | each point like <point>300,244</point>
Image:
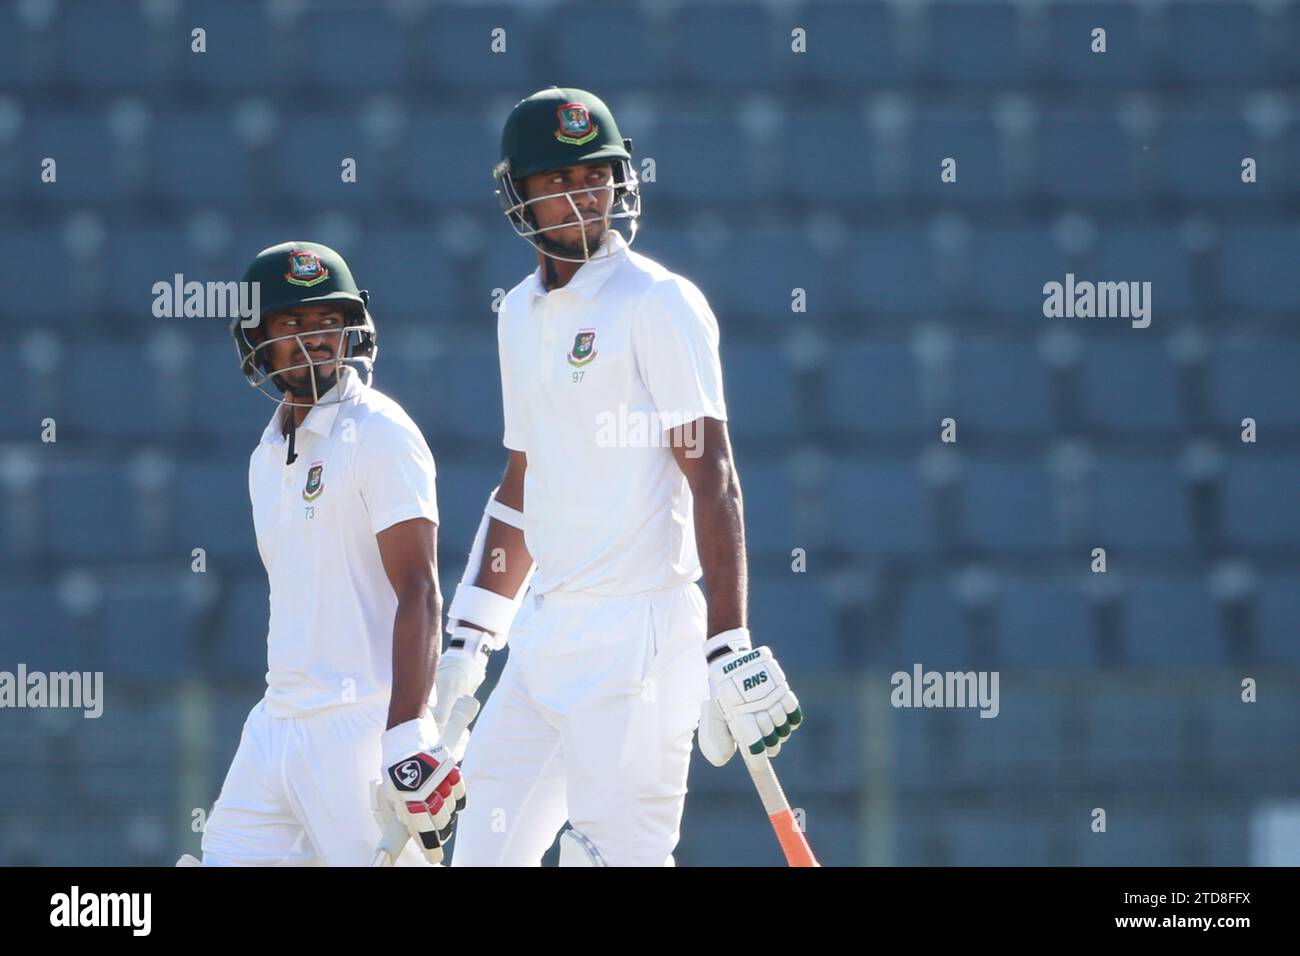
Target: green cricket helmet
<point>304,273</point>
<point>559,127</point>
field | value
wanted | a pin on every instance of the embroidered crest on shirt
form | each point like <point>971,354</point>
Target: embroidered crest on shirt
<point>305,268</point>
<point>312,490</point>
<point>576,126</point>
<point>584,347</point>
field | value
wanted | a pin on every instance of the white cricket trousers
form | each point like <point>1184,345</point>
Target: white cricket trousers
<point>593,721</point>
<point>298,792</point>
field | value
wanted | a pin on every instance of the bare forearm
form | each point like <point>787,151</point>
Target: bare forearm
<point>417,636</point>
<point>720,540</point>
<point>506,560</point>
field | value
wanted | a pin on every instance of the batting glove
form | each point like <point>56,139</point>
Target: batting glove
<point>422,785</point>
<point>750,702</point>
<point>461,670</point>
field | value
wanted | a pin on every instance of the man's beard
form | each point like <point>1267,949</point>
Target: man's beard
<point>574,247</point>
<point>324,375</point>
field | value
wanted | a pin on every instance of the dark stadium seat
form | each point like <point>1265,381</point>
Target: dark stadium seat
<point>108,47</point>
<point>850,46</point>
<point>1001,388</point>
<point>1134,836</point>
<point>793,614</point>
<point>447,158</point>
<point>1200,159</point>
<point>148,628</point>
<point>1278,610</point>
<point>932,629</point>
<point>1044,625</point>
<point>1135,254</point>
<point>750,274</point>
<point>895,271</point>
<point>1009,265</point>
<point>37,631</point>
<point>1255,379</point>
<point>1216,43</point>
<point>738,47</point>
<point>245,618</point>
<point>846,175</point>
<point>410,280</point>
<point>1133,735</point>
<point>759,390</point>
<point>103,403</point>
<point>875,389</point>
<point>578,36</point>
<point>1069,58</point>
<point>1139,505</point>
<point>458,50</point>
<point>1261,499</point>
<point>1129,386</point>
<point>879,507</point>
<point>212,510</point>
<point>1254,267</point>
<point>773,513</point>
<point>966,135</point>
<point>222,404</point>
<point>74,142</point>
<point>1171,622</point>
<point>198,160</point>
<point>364,35</point>
<point>40,290</point>
<point>462,401</point>
<point>697,161</point>
<point>985,840</point>
<point>973,44</point>
<point>89,512</point>
<point>1084,157</point>
<point>244,51</point>
<point>1009,505</point>
<point>12,68</point>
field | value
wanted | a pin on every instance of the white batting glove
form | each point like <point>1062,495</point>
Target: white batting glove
<point>750,702</point>
<point>422,785</point>
<point>461,670</point>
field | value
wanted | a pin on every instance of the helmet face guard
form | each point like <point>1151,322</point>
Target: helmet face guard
<point>624,208</point>
<point>356,349</point>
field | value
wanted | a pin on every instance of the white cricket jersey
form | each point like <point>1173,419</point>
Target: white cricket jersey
<point>593,375</point>
<point>362,466</point>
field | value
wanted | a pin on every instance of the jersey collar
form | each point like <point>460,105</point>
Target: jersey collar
<point>321,417</point>
<point>593,273</point>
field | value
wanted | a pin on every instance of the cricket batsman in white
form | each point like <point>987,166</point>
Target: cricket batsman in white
<point>345,511</point>
<point>619,494</point>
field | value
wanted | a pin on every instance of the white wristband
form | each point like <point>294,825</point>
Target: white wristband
<point>736,639</point>
<point>407,739</point>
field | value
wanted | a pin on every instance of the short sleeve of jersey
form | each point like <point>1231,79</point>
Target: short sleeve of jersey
<point>676,340</point>
<point>395,472</point>
<point>512,413</point>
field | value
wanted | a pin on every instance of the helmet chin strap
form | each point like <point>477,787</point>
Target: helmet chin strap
<point>317,386</point>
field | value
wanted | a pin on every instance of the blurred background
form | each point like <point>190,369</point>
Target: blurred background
<point>773,171</point>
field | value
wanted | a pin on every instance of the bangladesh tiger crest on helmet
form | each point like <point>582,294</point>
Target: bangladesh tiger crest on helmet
<point>584,347</point>
<point>576,127</point>
<point>305,268</point>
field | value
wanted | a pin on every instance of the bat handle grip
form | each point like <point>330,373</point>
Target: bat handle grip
<point>788,833</point>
